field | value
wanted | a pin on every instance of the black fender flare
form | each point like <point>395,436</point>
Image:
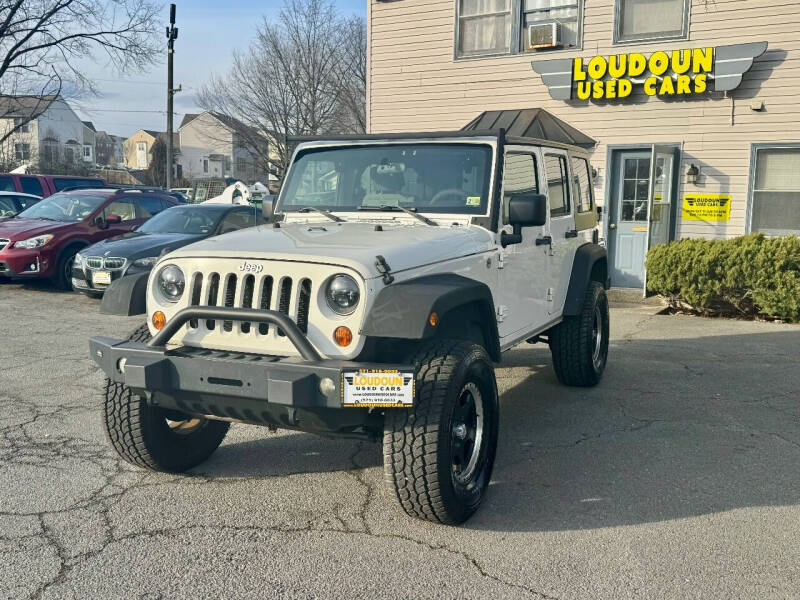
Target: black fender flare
<point>403,310</point>
<point>127,296</point>
<point>590,263</point>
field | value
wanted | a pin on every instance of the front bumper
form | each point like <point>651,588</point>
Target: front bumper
<point>23,263</point>
<point>252,388</point>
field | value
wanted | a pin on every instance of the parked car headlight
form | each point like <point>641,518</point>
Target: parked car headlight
<point>342,294</point>
<point>34,242</point>
<point>171,282</point>
<point>145,263</point>
<point>78,261</point>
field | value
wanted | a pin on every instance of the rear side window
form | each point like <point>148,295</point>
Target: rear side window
<point>581,184</point>
<point>7,184</point>
<point>61,183</point>
<point>555,167</point>
<point>7,206</point>
<point>31,185</point>
<point>25,202</point>
<point>237,219</point>
<point>149,206</point>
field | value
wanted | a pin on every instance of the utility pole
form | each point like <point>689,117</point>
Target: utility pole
<point>172,35</point>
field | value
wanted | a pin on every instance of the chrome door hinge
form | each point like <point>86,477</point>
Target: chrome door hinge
<point>549,294</point>
<point>502,311</point>
<point>501,258</point>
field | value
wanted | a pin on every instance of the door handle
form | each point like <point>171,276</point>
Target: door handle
<point>612,225</point>
<point>546,239</point>
<point>571,233</point>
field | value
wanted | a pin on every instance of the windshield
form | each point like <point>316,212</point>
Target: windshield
<point>184,219</point>
<point>69,208</point>
<point>435,178</point>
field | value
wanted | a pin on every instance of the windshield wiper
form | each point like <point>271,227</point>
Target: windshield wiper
<point>330,215</point>
<point>408,211</point>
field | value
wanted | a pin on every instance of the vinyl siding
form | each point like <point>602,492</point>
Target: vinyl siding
<point>415,84</point>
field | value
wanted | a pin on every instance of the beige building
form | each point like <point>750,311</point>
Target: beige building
<point>216,145</point>
<point>691,103</point>
<point>137,148</point>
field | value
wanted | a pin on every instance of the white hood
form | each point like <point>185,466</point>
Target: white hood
<point>350,244</point>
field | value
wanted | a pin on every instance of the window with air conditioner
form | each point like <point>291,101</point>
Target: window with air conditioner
<point>775,199</point>
<point>550,24</point>
<point>497,27</point>
<point>637,20</point>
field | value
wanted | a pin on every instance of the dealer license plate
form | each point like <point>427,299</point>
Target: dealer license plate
<point>375,387</point>
<point>101,278</point>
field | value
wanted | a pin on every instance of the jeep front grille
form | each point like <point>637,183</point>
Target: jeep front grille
<point>232,291</point>
<point>3,243</point>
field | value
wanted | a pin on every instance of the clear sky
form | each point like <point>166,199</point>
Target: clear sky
<point>208,32</point>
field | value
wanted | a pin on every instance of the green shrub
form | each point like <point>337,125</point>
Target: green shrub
<point>745,276</point>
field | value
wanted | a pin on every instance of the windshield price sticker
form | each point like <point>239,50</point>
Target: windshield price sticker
<point>377,388</point>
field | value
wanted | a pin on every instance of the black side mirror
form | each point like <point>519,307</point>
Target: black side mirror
<point>524,210</point>
<point>268,208</point>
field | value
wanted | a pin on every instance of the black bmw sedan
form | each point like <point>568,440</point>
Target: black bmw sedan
<point>98,265</point>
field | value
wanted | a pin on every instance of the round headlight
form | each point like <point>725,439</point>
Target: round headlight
<point>342,294</point>
<point>171,283</point>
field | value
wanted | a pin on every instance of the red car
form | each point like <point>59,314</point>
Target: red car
<point>45,185</point>
<point>43,239</point>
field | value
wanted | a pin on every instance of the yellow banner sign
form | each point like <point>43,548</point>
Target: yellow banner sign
<point>706,207</point>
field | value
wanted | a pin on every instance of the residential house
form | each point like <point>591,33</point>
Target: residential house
<point>109,149</point>
<point>45,131</point>
<point>137,148</point>
<point>215,145</point>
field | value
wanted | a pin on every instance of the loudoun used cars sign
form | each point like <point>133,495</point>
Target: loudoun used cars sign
<point>672,73</point>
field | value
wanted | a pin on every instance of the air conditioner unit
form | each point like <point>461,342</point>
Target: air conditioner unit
<point>544,35</point>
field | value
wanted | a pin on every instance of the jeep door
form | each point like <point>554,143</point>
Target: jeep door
<point>564,235</point>
<point>521,297</point>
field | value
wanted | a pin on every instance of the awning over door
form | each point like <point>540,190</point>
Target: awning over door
<point>530,122</point>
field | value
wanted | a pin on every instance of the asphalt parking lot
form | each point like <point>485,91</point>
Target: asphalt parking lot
<point>677,477</point>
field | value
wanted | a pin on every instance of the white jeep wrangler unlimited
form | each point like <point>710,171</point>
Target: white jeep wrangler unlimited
<point>394,272</point>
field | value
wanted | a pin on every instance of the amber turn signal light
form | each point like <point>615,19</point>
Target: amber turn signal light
<point>159,320</point>
<point>433,319</point>
<point>342,336</point>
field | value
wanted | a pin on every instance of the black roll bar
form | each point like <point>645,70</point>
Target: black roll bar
<point>220,313</point>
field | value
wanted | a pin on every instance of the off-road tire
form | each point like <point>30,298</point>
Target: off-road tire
<point>573,341</point>
<point>418,441</point>
<point>141,435</point>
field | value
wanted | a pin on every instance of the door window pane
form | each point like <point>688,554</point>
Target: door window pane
<point>776,191</point>
<point>7,184</point>
<point>557,188</point>
<point>581,183</point>
<point>484,27</point>
<point>635,189</point>
<point>519,176</point>
<point>123,208</point>
<point>31,185</point>
<point>650,19</point>
<point>540,12</point>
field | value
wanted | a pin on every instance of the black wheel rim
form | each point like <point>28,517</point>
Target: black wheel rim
<point>68,271</point>
<point>467,434</point>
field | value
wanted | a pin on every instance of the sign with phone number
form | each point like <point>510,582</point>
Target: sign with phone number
<point>706,207</point>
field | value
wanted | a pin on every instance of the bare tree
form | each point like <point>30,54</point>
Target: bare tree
<point>42,40</point>
<point>157,171</point>
<point>301,76</point>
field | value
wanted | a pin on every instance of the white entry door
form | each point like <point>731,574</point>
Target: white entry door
<point>141,155</point>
